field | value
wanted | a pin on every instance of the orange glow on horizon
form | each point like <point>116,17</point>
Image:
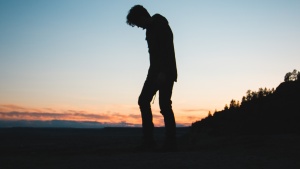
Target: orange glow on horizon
<point>15,112</point>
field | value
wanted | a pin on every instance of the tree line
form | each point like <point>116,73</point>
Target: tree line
<point>262,92</point>
<point>262,111</point>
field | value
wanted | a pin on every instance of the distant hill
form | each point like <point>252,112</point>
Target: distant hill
<point>263,112</point>
<point>60,124</point>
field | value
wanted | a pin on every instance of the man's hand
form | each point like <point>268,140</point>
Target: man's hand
<point>161,79</point>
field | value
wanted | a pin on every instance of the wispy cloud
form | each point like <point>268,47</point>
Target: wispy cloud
<point>16,112</point>
<point>195,110</point>
<point>47,115</point>
<point>62,123</point>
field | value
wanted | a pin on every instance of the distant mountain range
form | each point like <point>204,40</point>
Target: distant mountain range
<point>61,124</point>
<point>263,112</point>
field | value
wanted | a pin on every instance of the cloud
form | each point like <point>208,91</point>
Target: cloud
<point>47,115</point>
<point>10,112</point>
<point>8,107</point>
<point>14,112</point>
<point>195,110</point>
<point>62,124</point>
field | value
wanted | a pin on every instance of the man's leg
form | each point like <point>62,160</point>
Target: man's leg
<point>165,103</point>
<point>148,91</point>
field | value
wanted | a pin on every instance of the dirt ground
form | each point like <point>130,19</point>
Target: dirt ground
<point>114,148</point>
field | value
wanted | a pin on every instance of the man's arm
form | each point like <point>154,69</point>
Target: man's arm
<point>165,45</point>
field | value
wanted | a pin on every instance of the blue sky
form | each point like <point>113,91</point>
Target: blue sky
<point>80,55</point>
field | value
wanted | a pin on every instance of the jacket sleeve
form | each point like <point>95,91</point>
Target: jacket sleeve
<point>166,49</point>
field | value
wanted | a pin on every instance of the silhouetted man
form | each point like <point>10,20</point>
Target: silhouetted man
<point>161,76</point>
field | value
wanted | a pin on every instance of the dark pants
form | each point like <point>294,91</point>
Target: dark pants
<point>165,92</point>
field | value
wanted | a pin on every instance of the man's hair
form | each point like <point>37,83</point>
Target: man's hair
<point>135,13</point>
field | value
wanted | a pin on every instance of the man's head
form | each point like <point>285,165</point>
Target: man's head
<point>138,16</point>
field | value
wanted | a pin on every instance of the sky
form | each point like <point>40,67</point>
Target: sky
<point>79,60</point>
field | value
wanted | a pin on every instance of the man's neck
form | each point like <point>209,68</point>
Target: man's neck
<point>149,22</point>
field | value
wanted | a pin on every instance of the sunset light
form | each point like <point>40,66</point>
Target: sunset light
<point>80,61</point>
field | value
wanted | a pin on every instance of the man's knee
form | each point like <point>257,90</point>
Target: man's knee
<point>165,105</point>
<point>166,110</point>
<point>143,103</point>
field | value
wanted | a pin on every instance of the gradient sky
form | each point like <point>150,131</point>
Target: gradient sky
<point>79,60</point>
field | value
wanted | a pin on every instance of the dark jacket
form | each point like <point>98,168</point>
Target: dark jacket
<point>161,48</point>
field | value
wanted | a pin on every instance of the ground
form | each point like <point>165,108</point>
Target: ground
<point>114,148</point>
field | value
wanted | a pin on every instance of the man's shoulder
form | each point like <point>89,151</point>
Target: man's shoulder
<point>158,19</point>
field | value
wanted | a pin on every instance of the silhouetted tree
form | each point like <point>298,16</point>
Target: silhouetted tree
<point>260,93</point>
<point>260,111</point>
<point>249,95</point>
<point>234,104</point>
<point>226,107</point>
<point>294,75</point>
<point>287,76</point>
<point>291,76</point>
<point>266,92</point>
<point>254,95</point>
<point>209,114</point>
<point>244,99</point>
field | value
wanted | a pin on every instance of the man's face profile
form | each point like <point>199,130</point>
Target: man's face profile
<point>141,23</point>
